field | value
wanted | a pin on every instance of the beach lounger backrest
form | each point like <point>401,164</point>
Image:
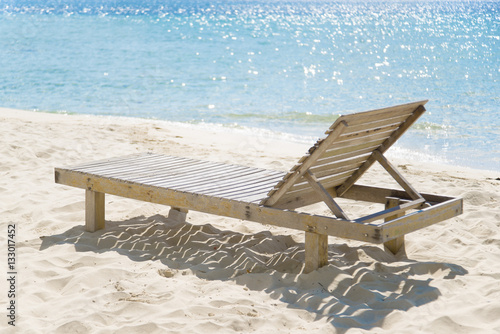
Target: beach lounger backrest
<point>353,143</point>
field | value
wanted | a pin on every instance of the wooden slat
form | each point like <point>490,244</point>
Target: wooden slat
<point>108,160</point>
<point>117,166</point>
<point>314,155</point>
<point>163,171</point>
<point>340,170</point>
<point>151,170</point>
<point>338,166</point>
<point>330,180</point>
<point>104,165</point>
<point>327,182</point>
<point>143,172</point>
<point>207,174</point>
<point>348,149</point>
<point>387,143</point>
<point>327,164</point>
<point>155,169</point>
<point>344,156</point>
<point>378,137</point>
<point>187,166</point>
<point>380,123</point>
<point>200,178</point>
<point>222,192</point>
<point>252,180</point>
<point>255,180</point>
<point>374,115</point>
<point>211,183</point>
<point>368,134</point>
<point>171,179</point>
<point>240,188</point>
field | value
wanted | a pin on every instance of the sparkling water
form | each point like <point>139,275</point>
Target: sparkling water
<point>271,66</point>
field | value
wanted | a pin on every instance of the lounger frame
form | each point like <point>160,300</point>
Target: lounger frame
<point>406,210</point>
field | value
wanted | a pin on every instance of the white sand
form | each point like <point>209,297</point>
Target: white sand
<point>148,274</point>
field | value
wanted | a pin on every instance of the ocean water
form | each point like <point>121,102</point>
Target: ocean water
<point>282,67</point>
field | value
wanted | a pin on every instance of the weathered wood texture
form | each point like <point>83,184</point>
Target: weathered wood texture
<point>94,210</point>
<point>316,251</point>
<point>182,174</point>
<point>224,206</point>
<point>325,196</point>
<point>397,244</point>
<point>330,169</point>
<point>237,206</point>
<point>340,159</point>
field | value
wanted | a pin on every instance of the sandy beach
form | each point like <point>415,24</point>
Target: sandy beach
<point>146,273</point>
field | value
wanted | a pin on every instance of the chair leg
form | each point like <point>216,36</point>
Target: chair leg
<point>94,210</point>
<point>394,246</point>
<point>177,214</point>
<point>316,246</point>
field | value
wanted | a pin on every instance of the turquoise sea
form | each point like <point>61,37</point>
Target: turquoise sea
<point>264,66</point>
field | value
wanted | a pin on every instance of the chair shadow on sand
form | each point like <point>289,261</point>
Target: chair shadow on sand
<point>359,288</point>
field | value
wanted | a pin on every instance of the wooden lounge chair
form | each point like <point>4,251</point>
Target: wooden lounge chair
<point>329,170</point>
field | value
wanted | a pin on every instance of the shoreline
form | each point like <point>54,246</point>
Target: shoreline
<point>419,158</point>
<point>149,273</point>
